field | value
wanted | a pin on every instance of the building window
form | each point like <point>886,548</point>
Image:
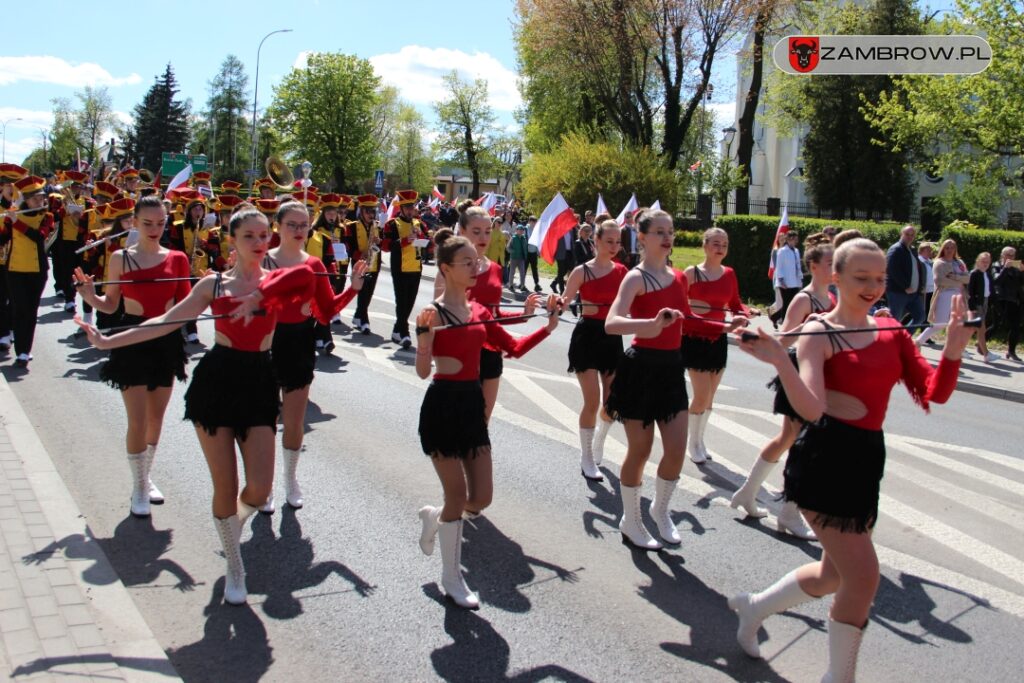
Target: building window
<point>442,188</point>
<point>463,190</point>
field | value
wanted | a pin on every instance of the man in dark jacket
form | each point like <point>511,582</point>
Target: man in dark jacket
<point>564,260</point>
<point>1009,281</point>
<point>905,278</point>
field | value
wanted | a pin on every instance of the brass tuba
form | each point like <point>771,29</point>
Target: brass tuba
<point>278,171</point>
<point>146,176</point>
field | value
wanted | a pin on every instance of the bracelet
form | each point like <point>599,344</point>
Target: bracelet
<point>422,330</point>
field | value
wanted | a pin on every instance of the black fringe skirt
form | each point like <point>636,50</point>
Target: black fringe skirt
<point>154,363</point>
<point>491,364</point>
<point>705,355</point>
<point>781,404</point>
<point>452,421</point>
<point>591,348</point>
<point>648,386</point>
<point>233,389</point>
<point>834,471</point>
<point>293,354</point>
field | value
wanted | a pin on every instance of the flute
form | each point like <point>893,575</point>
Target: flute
<point>104,240</point>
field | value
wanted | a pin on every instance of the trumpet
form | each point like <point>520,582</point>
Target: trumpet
<point>373,247</point>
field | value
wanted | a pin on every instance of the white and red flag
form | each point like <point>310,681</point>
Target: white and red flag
<point>782,230</point>
<point>557,219</point>
<point>656,206</point>
<point>628,210</point>
<point>601,208</point>
<point>488,201</point>
<point>180,178</point>
<point>437,194</point>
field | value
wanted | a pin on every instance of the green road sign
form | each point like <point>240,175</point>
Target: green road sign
<point>172,162</point>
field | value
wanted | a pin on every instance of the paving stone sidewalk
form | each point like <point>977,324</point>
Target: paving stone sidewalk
<point>54,624</point>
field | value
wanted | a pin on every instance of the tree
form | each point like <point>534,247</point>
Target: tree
<point>466,125</point>
<point>95,117</point>
<point>963,124</point>
<point>160,123</point>
<point>223,130</point>
<point>325,114</point>
<point>64,135</point>
<point>407,160</point>
<point>726,177</point>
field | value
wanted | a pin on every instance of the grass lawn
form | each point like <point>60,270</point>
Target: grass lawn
<point>682,258</point>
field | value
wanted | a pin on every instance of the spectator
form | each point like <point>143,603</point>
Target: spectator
<point>564,258</point>
<point>583,249</point>
<point>979,289</point>
<point>789,276</point>
<point>905,279</point>
<point>780,241</point>
<point>496,250</point>
<point>1008,280</point>
<point>951,277</point>
<point>532,252</point>
<point>630,255</point>
<point>830,231</point>
<point>926,254</point>
<point>449,215</point>
<point>517,254</point>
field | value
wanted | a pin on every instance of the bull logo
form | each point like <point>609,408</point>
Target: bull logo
<point>803,53</point>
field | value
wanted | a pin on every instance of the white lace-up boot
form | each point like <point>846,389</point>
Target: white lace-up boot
<point>140,484</point>
<point>753,608</point>
<point>155,496</point>
<point>293,494</point>
<point>746,496</point>
<point>600,434</point>
<point>663,490</point>
<point>587,465</point>
<point>230,531</point>
<point>452,581</point>
<point>631,525</point>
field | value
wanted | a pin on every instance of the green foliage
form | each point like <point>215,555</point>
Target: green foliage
<point>751,236</point>
<point>725,177</point>
<point>977,201</point>
<point>971,241</point>
<point>466,126</point>
<point>407,160</point>
<point>325,112</point>
<point>95,117</point>
<point>160,124</point>
<point>688,238</point>
<point>580,169</point>
<point>224,133</point>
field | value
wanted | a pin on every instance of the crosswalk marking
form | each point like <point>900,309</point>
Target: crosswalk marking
<point>1007,461</point>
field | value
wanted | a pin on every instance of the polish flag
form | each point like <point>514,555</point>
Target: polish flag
<point>392,210</point>
<point>437,193</point>
<point>435,202</point>
<point>553,224</point>
<point>628,210</point>
<point>488,201</point>
<point>180,178</point>
<point>782,230</point>
<point>601,208</point>
<point>656,206</point>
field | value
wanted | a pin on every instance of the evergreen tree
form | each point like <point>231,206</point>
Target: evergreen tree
<point>160,122</point>
<point>224,127</point>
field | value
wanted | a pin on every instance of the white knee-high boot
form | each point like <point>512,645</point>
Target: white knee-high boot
<point>843,647</point>
<point>705,417</point>
<point>155,496</point>
<point>230,531</point>
<point>791,521</point>
<point>430,517</point>
<point>746,495</point>
<point>140,484</point>
<point>244,512</point>
<point>293,494</point>
<point>600,434</point>
<point>631,525</point>
<point>587,465</point>
<point>754,608</point>
<point>452,581</point>
<point>693,440</point>
<point>663,490</point>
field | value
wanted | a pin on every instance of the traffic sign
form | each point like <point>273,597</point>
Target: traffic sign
<point>378,181</point>
<point>172,162</point>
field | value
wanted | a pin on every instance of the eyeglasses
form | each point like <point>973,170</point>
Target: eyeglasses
<point>468,263</point>
<point>296,226</point>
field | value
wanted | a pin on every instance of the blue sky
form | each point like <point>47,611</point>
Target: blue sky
<point>411,45</point>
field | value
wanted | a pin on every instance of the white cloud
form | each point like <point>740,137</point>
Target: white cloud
<point>29,118</point>
<point>300,60</point>
<point>418,71</point>
<point>18,147</point>
<point>725,113</point>
<point>48,69</point>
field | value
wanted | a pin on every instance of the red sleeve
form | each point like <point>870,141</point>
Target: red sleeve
<point>925,383</point>
<point>325,304</point>
<point>287,286</point>
<point>736,304</point>
<point>181,269</point>
<point>513,348</point>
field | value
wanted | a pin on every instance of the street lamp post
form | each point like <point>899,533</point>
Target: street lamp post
<point>255,92</point>
<point>44,133</point>
<point>729,134</point>
<point>700,137</point>
<point>3,154</point>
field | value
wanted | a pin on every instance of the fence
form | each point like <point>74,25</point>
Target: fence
<point>773,207</point>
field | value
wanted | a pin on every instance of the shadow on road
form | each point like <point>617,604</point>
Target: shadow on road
<point>908,603</point>
<point>234,646</point>
<point>315,415</point>
<point>498,569</point>
<point>479,653</point>
<point>610,506</point>
<point>279,567</point>
<point>54,665</point>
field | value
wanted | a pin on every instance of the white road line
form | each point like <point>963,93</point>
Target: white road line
<point>552,406</point>
<point>1007,461</point>
<point>955,465</point>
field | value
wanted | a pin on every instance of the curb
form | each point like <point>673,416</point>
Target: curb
<point>125,632</point>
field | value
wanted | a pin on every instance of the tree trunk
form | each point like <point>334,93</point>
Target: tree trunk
<point>745,151</point>
<point>339,179</point>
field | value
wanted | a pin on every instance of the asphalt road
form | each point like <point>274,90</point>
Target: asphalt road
<point>340,591</point>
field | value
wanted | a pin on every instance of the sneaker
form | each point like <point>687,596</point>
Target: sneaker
<point>319,345</point>
<point>357,324</point>
<point>5,342</point>
<point>395,337</point>
<point>327,348</point>
<point>69,307</point>
<point>22,360</point>
<point>406,342</point>
<point>192,338</point>
<point>538,288</point>
<point>365,329</point>
<point>336,320</point>
<point>990,357</point>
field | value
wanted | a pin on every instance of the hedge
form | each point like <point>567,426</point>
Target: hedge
<point>971,242</point>
<point>750,244</point>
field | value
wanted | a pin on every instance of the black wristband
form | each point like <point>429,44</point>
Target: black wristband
<point>422,330</point>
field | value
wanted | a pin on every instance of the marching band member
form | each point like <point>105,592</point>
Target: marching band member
<point>452,424</point>
<point>145,372</point>
<point>9,174</point>
<point>264,188</point>
<point>398,236</point>
<point>593,353</point>
<point>200,180</point>
<point>92,224</point>
<point>293,352</point>
<point>648,387</point>
<point>230,188</point>
<point>328,230</point>
<point>128,180</point>
<point>68,215</point>
<point>363,245</point>
<point>269,207</point>
<point>24,235</point>
<point>712,289</point>
<point>836,464</point>
<point>813,299</point>
<point>233,397</point>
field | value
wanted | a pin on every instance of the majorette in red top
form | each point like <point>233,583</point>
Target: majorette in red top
<point>600,290</point>
<point>647,305</point>
<point>323,302</point>
<point>155,296</point>
<point>463,343</point>
<point>281,288</point>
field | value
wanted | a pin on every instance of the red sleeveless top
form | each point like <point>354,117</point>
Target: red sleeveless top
<point>153,296</point>
<point>280,289</point>
<point>323,302</point>
<point>601,290</point>
<point>647,305</point>
<point>464,343</point>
